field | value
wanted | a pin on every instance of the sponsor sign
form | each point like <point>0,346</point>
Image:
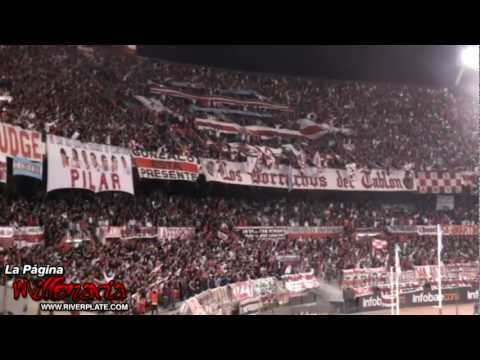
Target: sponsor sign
<point>17,142</point>
<point>418,298</point>
<point>98,168</point>
<point>151,165</point>
<point>23,167</point>
<point>3,169</point>
<point>306,179</point>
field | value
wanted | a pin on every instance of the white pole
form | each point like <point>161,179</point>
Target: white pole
<point>392,304</point>
<point>397,273</point>
<point>439,267</point>
<point>459,75</point>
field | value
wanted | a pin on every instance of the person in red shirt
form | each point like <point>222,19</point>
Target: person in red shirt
<point>153,296</point>
<point>141,305</point>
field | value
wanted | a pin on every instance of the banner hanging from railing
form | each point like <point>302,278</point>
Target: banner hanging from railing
<point>151,165</point>
<point>307,179</point>
<point>94,167</point>
<point>17,142</point>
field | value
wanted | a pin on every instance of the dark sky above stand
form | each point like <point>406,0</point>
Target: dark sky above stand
<point>430,65</point>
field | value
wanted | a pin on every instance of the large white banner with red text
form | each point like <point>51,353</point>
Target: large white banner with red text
<point>17,142</point>
<point>98,168</point>
<point>308,178</point>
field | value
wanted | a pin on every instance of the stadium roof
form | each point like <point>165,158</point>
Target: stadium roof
<point>429,65</point>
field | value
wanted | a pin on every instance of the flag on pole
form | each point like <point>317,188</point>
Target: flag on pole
<point>439,277</point>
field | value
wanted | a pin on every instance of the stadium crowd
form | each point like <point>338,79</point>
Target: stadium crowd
<point>91,97</point>
<point>179,269</point>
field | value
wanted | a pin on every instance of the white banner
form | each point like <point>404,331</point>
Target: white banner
<point>445,202</point>
<point>98,168</point>
<point>161,233</point>
<point>300,282</point>
<point>307,179</point>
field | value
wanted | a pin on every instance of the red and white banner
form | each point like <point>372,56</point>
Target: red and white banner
<point>7,237</point>
<point>313,232</point>
<point>172,233</point>
<point>151,165</point>
<point>144,232</point>
<point>20,237</point>
<point>17,142</point>
<point>314,131</point>
<point>3,169</point>
<point>263,232</point>
<point>448,230</point>
<point>442,182</point>
<point>453,275</point>
<point>163,90</point>
<point>223,127</point>
<point>95,167</point>
<point>218,126</point>
<point>307,179</point>
<point>29,234</point>
<point>300,282</point>
<point>242,290</point>
<point>161,233</point>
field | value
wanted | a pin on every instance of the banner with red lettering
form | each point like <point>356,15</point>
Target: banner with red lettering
<point>308,178</point>
<point>17,142</point>
<point>151,165</point>
<point>300,282</point>
<point>3,169</point>
<point>95,167</point>
<point>172,233</point>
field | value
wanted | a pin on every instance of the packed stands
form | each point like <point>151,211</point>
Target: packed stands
<point>198,116</point>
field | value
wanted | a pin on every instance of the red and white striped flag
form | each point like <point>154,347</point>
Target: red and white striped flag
<point>312,130</point>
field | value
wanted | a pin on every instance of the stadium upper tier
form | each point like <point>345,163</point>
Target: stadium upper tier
<point>99,96</point>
